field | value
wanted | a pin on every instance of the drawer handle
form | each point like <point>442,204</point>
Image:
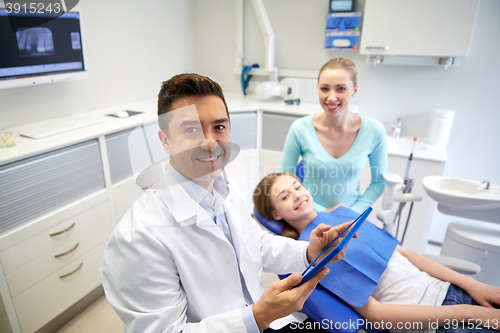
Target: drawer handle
<point>67,252</point>
<point>62,231</point>
<point>378,47</point>
<point>71,273</point>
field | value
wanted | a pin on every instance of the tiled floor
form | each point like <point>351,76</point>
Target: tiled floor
<point>99,317</point>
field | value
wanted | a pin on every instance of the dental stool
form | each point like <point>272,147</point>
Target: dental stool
<point>322,306</point>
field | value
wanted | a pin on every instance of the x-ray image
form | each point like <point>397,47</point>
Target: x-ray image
<point>75,41</point>
<point>36,41</point>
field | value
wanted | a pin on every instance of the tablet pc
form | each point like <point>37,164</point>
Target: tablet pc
<point>355,225</point>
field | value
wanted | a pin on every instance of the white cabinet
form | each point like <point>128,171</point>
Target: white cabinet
<point>244,168</point>
<point>58,205</point>
<point>129,152</point>
<point>54,223</point>
<point>50,263</point>
<point>58,291</point>
<point>275,128</point>
<point>440,28</point>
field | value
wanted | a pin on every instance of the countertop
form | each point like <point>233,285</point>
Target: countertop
<point>236,103</point>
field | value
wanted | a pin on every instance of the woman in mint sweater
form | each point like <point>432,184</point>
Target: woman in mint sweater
<point>336,144</point>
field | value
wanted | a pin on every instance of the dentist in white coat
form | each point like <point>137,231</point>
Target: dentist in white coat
<point>187,256</point>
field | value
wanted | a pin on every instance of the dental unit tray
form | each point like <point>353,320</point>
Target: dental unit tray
<point>356,224</point>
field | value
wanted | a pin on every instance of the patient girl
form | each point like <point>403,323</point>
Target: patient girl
<point>378,278</point>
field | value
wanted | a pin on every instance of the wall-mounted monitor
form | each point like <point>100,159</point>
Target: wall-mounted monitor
<point>341,6</point>
<point>32,53</point>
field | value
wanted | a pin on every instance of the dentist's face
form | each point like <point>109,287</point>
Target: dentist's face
<point>335,89</point>
<point>198,140</point>
<point>291,201</point>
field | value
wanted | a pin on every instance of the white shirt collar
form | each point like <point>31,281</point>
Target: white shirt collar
<point>194,190</point>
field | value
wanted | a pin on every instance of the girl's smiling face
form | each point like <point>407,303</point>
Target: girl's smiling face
<point>291,201</point>
<point>335,89</point>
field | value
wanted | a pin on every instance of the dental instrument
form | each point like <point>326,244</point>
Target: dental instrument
<point>409,163</point>
<point>393,184</point>
<point>408,182</point>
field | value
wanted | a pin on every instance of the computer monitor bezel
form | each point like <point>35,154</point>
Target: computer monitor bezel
<point>42,78</point>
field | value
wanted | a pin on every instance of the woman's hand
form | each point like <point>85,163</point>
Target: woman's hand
<point>321,236</point>
<point>483,293</point>
<point>335,207</point>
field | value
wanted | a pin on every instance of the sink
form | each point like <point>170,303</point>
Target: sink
<point>465,198</point>
<point>405,144</point>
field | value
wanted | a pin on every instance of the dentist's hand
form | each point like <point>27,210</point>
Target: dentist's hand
<point>278,300</point>
<point>321,236</point>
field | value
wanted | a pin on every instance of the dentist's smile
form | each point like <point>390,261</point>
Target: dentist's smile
<point>209,159</point>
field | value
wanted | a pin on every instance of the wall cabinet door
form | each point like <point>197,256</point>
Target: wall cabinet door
<point>418,27</point>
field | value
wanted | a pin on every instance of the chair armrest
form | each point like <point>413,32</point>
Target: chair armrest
<point>459,265</point>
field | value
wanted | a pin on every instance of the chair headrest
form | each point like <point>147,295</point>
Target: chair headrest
<point>272,225</point>
<point>152,174</point>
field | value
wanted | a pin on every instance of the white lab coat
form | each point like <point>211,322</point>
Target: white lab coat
<point>168,268</point>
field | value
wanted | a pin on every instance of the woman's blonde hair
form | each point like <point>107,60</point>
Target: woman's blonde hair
<point>342,63</point>
<point>263,204</point>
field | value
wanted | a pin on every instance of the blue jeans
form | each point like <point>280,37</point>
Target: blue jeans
<point>456,296</point>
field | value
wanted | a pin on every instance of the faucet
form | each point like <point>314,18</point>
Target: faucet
<point>396,127</point>
<point>487,184</point>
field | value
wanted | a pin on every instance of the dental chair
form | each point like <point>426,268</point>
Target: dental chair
<point>392,194</point>
<point>323,306</point>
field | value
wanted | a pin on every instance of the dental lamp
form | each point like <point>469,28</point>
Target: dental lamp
<point>287,89</point>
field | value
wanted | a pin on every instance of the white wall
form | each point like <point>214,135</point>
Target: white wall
<point>385,92</point>
<point>131,48</point>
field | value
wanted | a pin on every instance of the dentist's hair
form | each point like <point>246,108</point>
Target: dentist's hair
<point>263,204</point>
<point>341,63</point>
<point>182,86</point>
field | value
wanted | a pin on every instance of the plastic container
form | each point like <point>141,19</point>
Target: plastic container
<point>441,126</point>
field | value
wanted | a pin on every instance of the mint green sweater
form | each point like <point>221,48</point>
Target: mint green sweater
<point>336,180</point>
